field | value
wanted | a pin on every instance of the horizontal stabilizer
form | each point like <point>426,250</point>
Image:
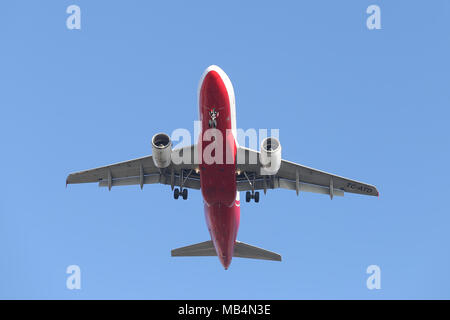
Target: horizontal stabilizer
<point>241,250</point>
<point>202,249</point>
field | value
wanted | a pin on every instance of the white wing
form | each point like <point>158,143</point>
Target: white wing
<point>141,171</point>
<point>295,176</point>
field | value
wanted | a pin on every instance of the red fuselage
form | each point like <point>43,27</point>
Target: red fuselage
<point>218,178</point>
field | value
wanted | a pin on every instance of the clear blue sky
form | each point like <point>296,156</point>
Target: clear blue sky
<point>368,105</point>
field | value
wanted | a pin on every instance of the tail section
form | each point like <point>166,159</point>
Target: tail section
<point>241,250</point>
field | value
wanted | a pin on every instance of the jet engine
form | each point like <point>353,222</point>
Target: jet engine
<point>161,150</point>
<point>270,156</point>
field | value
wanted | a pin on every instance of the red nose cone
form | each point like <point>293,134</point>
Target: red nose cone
<point>213,93</point>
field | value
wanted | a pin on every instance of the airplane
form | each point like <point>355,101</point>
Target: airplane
<point>220,181</point>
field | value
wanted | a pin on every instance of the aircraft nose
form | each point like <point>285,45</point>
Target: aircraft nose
<point>213,83</point>
<point>213,91</point>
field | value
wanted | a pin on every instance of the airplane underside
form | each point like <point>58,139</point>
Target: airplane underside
<point>235,169</point>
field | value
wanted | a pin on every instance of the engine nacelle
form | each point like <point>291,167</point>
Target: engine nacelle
<point>270,156</point>
<point>161,150</point>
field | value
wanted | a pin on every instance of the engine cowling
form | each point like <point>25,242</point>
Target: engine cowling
<point>161,150</point>
<point>270,156</point>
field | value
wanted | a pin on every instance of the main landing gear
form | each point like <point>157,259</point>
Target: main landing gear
<point>252,195</point>
<point>180,192</point>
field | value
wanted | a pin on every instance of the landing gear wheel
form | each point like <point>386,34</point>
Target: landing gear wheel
<point>185,194</point>
<point>256,196</point>
<point>212,123</point>
<point>176,193</point>
<point>248,196</point>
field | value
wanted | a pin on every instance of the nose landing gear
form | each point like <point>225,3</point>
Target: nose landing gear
<point>214,115</point>
<point>212,123</point>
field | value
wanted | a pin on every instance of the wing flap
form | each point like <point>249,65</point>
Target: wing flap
<point>189,182</point>
<point>277,182</point>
